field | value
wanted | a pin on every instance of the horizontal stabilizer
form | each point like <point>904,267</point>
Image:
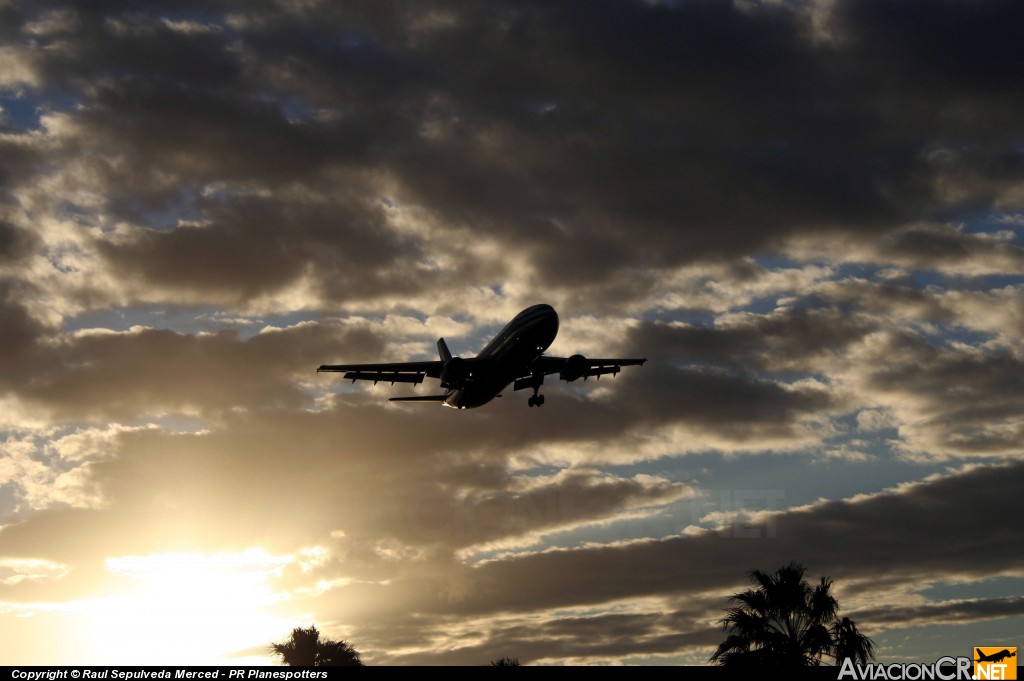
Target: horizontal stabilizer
<point>420,398</point>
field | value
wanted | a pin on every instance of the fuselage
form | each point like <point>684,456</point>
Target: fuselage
<point>509,356</point>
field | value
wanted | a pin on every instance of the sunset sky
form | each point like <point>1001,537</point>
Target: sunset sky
<point>807,214</point>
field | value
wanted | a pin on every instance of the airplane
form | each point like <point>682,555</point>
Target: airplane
<point>515,356</point>
<point>995,657</point>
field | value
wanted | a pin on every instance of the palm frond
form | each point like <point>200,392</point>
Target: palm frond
<point>784,622</point>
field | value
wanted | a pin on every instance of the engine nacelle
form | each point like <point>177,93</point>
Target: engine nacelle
<point>454,372</point>
<point>574,367</point>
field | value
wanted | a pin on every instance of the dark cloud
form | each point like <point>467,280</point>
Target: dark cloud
<point>168,482</point>
<point>920,533</point>
<point>15,243</point>
<point>257,247</point>
<point>637,115</point>
<point>18,164</point>
<point>941,613</point>
<point>600,638</point>
<point>20,333</point>
<point>787,339</point>
<point>961,50</point>
<point>970,402</point>
<point>104,375</point>
<point>141,48</point>
<point>98,376</point>
<point>503,512</point>
<point>938,247</point>
<point>737,406</point>
<point>632,134</point>
<point>202,136</point>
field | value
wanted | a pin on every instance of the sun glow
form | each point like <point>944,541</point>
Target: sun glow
<point>189,608</point>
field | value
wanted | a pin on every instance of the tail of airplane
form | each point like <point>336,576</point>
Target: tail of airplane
<point>442,349</point>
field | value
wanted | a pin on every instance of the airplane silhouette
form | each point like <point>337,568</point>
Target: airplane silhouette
<point>515,356</point>
<point>996,657</point>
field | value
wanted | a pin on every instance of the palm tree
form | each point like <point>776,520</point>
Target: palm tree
<point>305,649</point>
<point>785,622</point>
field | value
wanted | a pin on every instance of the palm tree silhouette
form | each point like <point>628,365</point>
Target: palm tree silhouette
<point>305,649</point>
<point>785,622</point>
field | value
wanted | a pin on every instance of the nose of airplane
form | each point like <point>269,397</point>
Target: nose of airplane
<point>541,321</point>
<point>543,309</point>
<point>540,311</point>
<point>547,319</point>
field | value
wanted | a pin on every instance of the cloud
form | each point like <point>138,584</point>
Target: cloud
<point>962,611</point>
<point>950,401</point>
<point>551,151</point>
<point>16,68</point>
<point>926,533</point>
<point>940,247</point>
<point>97,376</point>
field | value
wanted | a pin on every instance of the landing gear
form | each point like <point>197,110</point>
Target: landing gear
<point>534,382</point>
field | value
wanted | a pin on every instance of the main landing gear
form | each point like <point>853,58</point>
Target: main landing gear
<point>537,380</point>
<point>534,382</point>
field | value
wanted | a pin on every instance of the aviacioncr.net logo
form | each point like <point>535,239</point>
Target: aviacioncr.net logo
<point>995,662</point>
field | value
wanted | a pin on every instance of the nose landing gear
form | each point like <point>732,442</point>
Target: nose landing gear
<point>536,400</point>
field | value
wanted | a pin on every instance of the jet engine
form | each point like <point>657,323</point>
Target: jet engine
<point>574,367</point>
<point>454,372</point>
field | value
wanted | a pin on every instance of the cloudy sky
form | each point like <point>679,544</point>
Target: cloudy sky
<point>808,215</point>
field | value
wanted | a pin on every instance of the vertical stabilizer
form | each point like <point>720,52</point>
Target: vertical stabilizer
<point>442,349</point>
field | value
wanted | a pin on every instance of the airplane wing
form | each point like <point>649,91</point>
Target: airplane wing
<point>388,372</point>
<point>451,371</point>
<point>578,366</point>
